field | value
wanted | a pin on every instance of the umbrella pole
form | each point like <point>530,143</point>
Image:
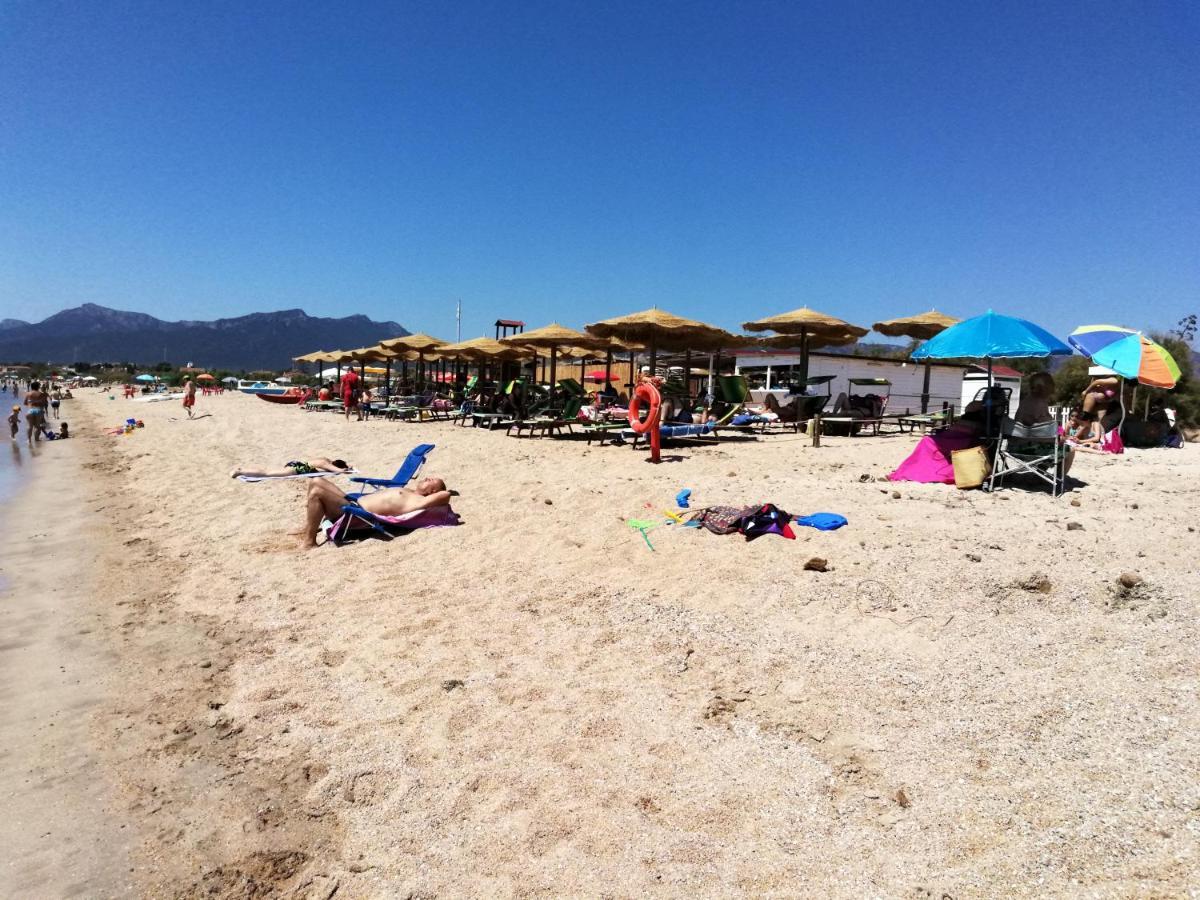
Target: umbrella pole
<point>653,358</point>
<point>987,403</point>
<point>387,380</point>
<point>687,375</point>
<point>552,371</point>
<point>1121,389</point>
<point>925,390</point>
<point>804,355</point>
<point>608,369</point>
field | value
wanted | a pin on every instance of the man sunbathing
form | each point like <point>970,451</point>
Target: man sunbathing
<point>325,501</point>
<point>296,467</point>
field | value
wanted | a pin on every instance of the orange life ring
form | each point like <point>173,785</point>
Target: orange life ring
<point>647,392</point>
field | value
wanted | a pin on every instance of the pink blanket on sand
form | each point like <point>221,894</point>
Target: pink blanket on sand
<point>930,460</point>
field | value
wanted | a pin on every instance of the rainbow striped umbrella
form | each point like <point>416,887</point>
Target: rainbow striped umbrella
<point>1128,353</point>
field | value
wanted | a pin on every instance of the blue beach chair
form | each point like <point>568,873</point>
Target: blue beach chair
<point>406,473</point>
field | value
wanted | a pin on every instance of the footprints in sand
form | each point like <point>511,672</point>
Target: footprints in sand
<point>855,783</point>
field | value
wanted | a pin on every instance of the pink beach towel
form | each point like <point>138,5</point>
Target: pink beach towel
<point>929,462</point>
<point>433,517</point>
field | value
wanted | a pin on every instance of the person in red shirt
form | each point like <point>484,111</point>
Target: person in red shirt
<point>350,391</point>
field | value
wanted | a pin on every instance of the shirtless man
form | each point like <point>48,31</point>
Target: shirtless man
<point>325,501</point>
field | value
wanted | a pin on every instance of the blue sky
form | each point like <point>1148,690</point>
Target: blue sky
<point>578,161</point>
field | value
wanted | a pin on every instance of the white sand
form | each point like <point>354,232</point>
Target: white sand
<point>704,719</point>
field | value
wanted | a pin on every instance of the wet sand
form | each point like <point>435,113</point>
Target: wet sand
<point>64,831</point>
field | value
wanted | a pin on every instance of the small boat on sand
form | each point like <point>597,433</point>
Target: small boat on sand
<point>291,395</point>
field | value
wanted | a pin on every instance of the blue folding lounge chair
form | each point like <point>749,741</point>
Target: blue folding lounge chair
<point>356,521</point>
<point>406,473</point>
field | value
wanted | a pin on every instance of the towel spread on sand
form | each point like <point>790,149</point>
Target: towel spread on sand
<point>251,479</point>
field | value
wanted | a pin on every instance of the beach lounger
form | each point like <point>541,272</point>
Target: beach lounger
<point>407,472</point>
<point>564,418</point>
<point>254,479</point>
<point>358,522</point>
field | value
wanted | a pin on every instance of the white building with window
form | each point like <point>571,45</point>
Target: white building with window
<point>775,371</point>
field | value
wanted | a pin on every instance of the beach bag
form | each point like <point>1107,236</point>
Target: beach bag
<point>1112,442</point>
<point>722,519</point>
<point>767,519</point>
<point>971,467</point>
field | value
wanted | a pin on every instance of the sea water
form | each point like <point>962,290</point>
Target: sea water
<point>15,458</point>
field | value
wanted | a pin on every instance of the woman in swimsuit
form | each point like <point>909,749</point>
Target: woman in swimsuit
<point>296,467</point>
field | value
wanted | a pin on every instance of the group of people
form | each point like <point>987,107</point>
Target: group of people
<point>1090,427</point>
<point>40,405</point>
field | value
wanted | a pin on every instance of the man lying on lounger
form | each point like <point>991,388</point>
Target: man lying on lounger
<point>325,501</point>
<point>312,467</point>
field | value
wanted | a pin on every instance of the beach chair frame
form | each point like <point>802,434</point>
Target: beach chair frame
<point>1035,450</point>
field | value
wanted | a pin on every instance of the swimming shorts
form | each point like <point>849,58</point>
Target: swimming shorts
<point>301,468</point>
<point>189,400</point>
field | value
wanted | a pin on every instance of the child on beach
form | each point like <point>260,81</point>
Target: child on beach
<point>14,421</point>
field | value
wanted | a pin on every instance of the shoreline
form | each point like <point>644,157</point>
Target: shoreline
<point>63,829</point>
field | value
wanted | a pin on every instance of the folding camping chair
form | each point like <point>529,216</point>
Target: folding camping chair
<point>1036,450</point>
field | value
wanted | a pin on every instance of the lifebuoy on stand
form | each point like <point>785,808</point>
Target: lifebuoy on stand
<point>646,392</point>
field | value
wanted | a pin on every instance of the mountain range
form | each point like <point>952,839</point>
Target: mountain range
<point>92,333</point>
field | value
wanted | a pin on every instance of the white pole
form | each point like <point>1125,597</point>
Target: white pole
<point>458,322</point>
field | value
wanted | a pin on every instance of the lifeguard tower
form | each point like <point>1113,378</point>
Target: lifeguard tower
<point>504,327</point>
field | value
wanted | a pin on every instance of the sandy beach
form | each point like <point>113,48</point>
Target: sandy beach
<point>535,703</point>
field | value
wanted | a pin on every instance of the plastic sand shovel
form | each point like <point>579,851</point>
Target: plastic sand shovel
<point>642,526</point>
<point>681,499</point>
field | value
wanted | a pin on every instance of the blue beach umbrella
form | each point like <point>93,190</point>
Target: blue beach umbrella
<point>992,336</point>
<point>145,377</point>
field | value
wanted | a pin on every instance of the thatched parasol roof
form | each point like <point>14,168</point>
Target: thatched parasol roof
<point>421,343</point>
<point>549,337</point>
<point>805,321</point>
<point>922,326</point>
<point>480,347</point>
<point>664,331</point>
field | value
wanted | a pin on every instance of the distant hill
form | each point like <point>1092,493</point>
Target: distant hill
<point>92,333</point>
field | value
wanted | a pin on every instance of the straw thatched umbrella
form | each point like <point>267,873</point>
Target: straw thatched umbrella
<point>661,330</point>
<point>421,343</point>
<point>814,329</point>
<point>922,327</point>
<point>339,357</point>
<point>317,356</point>
<point>480,349</point>
<point>550,337</point>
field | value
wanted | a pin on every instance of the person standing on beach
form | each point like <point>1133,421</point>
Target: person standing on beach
<point>35,417</point>
<point>14,421</point>
<point>189,396</point>
<point>350,393</point>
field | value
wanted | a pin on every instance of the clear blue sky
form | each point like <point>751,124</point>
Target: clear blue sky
<point>577,161</point>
